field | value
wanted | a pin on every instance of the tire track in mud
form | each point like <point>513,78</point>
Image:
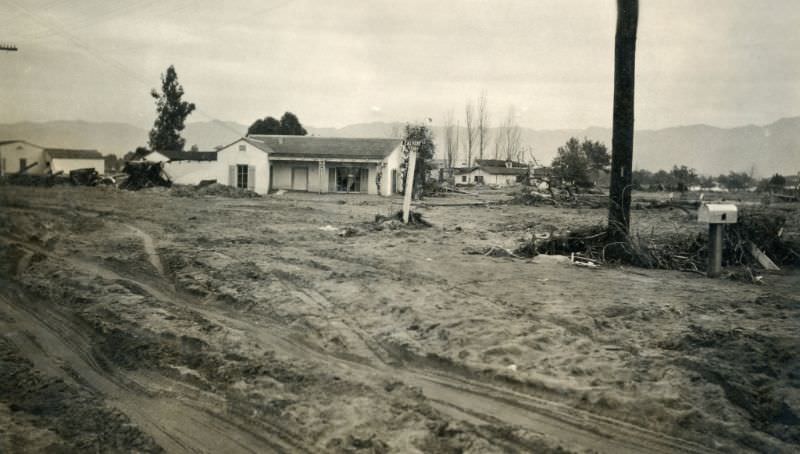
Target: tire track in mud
<point>455,395</point>
<point>176,423</point>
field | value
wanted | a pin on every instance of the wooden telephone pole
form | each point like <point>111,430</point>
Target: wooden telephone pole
<point>622,136</point>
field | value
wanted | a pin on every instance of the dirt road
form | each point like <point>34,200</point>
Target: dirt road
<point>221,325</point>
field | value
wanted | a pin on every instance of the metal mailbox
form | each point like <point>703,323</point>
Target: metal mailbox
<point>717,213</point>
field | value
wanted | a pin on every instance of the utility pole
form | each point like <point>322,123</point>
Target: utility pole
<point>8,47</point>
<point>622,136</point>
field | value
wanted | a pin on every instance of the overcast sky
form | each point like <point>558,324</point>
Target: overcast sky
<point>337,62</point>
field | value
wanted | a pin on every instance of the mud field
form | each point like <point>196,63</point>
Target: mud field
<point>150,322</point>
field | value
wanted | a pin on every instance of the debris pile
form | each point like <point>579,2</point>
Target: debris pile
<point>559,197</point>
<point>395,221</point>
<point>758,230</point>
<point>212,189</point>
<point>144,175</point>
<point>84,177</point>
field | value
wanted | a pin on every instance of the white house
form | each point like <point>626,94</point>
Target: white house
<point>64,160</point>
<point>16,155</point>
<point>297,163</point>
<point>494,172</point>
<point>333,164</point>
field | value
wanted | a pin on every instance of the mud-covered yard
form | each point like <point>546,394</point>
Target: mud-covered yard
<point>148,322</point>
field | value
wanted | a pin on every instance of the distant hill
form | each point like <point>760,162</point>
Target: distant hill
<point>774,148</point>
<point>711,150</point>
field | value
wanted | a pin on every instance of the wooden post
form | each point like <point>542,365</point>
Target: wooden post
<point>622,133</point>
<point>412,164</point>
<point>715,249</point>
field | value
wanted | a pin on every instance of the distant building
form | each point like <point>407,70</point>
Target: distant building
<point>18,155</point>
<point>64,160</point>
<point>495,172</point>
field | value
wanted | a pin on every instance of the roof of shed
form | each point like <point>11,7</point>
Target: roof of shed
<point>63,153</point>
<point>6,142</point>
<point>498,163</point>
<point>324,147</point>
<point>174,155</point>
<point>505,170</point>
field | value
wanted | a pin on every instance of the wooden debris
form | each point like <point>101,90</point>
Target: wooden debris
<point>762,258</point>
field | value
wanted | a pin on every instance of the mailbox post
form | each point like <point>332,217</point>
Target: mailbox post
<point>716,215</point>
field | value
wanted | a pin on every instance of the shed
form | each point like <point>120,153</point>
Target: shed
<point>64,160</point>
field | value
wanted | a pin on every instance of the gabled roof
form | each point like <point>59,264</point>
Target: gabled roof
<point>64,153</point>
<point>174,155</point>
<point>505,170</point>
<point>6,142</point>
<point>497,163</point>
<point>324,147</point>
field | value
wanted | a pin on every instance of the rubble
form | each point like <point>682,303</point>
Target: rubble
<point>757,228</point>
<point>84,177</point>
<point>144,174</point>
<point>395,221</point>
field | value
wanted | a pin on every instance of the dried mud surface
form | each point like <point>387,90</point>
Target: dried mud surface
<point>148,322</point>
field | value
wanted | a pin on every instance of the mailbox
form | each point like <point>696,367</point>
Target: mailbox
<point>717,213</point>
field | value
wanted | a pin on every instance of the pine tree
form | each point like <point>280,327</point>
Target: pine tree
<point>171,114</point>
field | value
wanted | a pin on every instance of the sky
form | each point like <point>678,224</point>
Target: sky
<point>337,62</point>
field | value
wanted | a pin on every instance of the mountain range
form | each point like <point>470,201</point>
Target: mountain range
<point>764,150</point>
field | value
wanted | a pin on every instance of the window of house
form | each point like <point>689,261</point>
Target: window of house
<point>23,163</point>
<point>479,179</point>
<point>241,176</point>
<point>463,178</point>
<point>242,147</point>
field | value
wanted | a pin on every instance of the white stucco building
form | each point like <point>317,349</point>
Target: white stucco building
<point>493,172</point>
<point>296,163</point>
<point>16,155</point>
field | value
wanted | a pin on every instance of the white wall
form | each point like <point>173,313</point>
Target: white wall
<point>488,178</point>
<point>193,172</point>
<point>251,156</point>
<point>190,172</point>
<point>11,153</point>
<point>58,164</point>
<point>393,162</point>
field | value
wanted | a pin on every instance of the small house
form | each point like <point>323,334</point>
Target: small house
<point>495,172</point>
<point>263,163</point>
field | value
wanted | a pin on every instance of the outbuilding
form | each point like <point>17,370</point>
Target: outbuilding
<point>493,172</point>
<point>64,160</point>
<point>17,155</point>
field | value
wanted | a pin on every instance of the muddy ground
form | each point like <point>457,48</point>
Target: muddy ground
<point>147,322</point>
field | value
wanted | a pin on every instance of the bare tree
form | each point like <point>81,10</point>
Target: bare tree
<point>450,140</point>
<point>622,133</point>
<point>483,124</point>
<point>469,120</point>
<point>512,136</point>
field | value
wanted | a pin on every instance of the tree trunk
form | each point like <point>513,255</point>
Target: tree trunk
<point>622,136</point>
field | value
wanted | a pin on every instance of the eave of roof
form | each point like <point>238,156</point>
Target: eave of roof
<point>174,155</point>
<point>65,153</point>
<point>325,147</point>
